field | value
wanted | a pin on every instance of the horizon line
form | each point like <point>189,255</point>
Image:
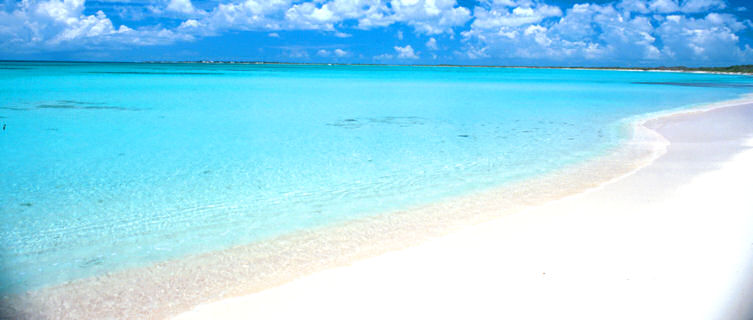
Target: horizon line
<point>262,62</point>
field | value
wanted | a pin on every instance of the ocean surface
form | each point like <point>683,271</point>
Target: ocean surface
<point>111,166</point>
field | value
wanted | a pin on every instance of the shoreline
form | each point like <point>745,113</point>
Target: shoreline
<point>172,287</point>
<point>686,251</point>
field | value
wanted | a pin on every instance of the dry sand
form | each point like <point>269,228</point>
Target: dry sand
<point>671,240</point>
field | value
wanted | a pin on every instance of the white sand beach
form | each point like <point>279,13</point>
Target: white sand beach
<point>672,240</point>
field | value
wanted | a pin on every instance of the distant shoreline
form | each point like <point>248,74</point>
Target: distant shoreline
<point>731,70</point>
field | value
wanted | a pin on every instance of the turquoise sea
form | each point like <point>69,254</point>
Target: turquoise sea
<point>107,166</point>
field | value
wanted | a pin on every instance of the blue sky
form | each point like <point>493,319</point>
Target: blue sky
<point>498,32</point>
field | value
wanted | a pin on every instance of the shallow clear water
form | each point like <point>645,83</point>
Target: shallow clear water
<point>110,166</point>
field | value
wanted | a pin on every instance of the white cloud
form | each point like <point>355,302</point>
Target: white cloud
<point>181,6</point>
<point>190,23</point>
<point>430,16</point>
<point>405,52</point>
<point>708,39</point>
<point>432,44</point>
<point>273,35</point>
<point>61,25</point>
<point>629,31</point>
<point>246,15</point>
<point>664,6</point>
<point>385,56</point>
<point>635,31</point>
<point>195,27</point>
<point>693,6</point>
<point>639,6</point>
<point>510,29</point>
<point>337,53</point>
<point>400,35</point>
<point>426,16</point>
<point>504,3</point>
<point>50,23</point>
<point>500,16</point>
<point>308,16</point>
<point>670,6</point>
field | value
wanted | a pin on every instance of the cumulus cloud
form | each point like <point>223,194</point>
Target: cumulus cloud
<point>50,23</point>
<point>671,6</point>
<point>664,6</point>
<point>706,39</point>
<point>56,24</point>
<point>405,52</point>
<point>431,44</point>
<point>308,16</point>
<point>501,15</point>
<point>426,16</point>
<point>401,53</point>
<point>628,31</point>
<point>703,5</point>
<point>430,16</point>
<point>181,6</point>
<point>632,31</point>
<point>339,53</point>
<point>246,15</point>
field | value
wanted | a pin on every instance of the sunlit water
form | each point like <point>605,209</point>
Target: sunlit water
<point>111,166</point>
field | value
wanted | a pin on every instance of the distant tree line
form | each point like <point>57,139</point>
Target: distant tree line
<point>743,68</point>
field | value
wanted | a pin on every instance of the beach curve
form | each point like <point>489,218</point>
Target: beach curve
<point>679,248</point>
<point>174,286</point>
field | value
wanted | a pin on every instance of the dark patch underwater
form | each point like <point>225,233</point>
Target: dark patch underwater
<point>402,122</point>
